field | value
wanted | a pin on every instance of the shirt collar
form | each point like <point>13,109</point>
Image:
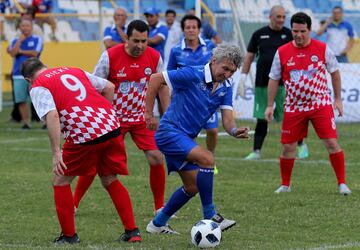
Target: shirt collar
<point>207,72</point>
<point>183,44</point>
<point>113,27</point>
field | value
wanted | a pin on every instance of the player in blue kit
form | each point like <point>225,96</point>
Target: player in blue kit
<point>193,51</point>
<point>197,92</point>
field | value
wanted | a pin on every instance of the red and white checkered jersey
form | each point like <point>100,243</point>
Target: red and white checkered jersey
<point>130,76</point>
<point>303,71</point>
<point>84,114</point>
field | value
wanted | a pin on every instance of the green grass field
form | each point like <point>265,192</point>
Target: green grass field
<point>313,216</point>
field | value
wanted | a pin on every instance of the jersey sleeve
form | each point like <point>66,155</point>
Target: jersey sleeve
<point>39,45</point>
<point>98,83</point>
<point>163,32</point>
<point>227,101</point>
<point>178,79</point>
<point>275,72</point>
<point>253,44</point>
<point>12,44</point>
<point>350,30</point>
<point>103,65</point>
<point>332,64</point>
<point>208,31</point>
<point>107,34</point>
<point>43,101</point>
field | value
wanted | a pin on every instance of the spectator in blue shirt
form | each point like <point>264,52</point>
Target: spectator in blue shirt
<point>197,93</point>
<point>158,31</point>
<point>116,33</point>
<point>193,50</point>
<point>340,38</point>
<point>27,45</point>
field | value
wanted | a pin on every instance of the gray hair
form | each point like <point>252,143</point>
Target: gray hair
<point>228,52</point>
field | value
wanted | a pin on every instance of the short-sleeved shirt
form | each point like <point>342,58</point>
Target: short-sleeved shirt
<point>43,6</point>
<point>303,71</point>
<point>161,30</point>
<point>207,31</point>
<point>130,75</point>
<point>192,103</point>
<point>111,32</point>
<point>181,55</point>
<point>32,42</point>
<point>84,114</point>
<point>264,42</point>
<point>338,36</point>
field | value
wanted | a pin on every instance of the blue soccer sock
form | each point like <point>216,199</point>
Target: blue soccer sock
<point>178,199</point>
<point>204,181</point>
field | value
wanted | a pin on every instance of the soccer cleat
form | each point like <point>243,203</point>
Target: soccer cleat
<point>62,239</point>
<point>131,236</point>
<point>216,170</point>
<point>223,223</point>
<point>151,228</point>
<point>302,151</point>
<point>253,156</point>
<point>25,126</point>
<point>343,189</point>
<point>283,189</point>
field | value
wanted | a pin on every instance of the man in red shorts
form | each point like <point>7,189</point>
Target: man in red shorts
<point>302,65</point>
<point>129,66</point>
<point>77,104</point>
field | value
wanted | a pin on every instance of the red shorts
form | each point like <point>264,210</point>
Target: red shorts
<point>140,134</point>
<point>106,158</point>
<point>295,124</point>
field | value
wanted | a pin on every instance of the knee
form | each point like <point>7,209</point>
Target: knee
<point>289,150</point>
<point>332,146</point>
<point>107,180</point>
<point>155,157</point>
<point>191,189</point>
<point>61,180</point>
<point>207,161</point>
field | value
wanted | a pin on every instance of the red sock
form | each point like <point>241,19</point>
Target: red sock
<point>122,202</point>
<point>82,186</point>
<point>338,163</point>
<point>157,184</point>
<point>286,166</point>
<point>65,209</point>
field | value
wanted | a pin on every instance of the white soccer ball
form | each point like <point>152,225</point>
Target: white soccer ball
<point>206,234</point>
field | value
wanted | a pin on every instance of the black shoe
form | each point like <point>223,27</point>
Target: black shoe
<point>131,236</point>
<point>44,126</point>
<point>25,126</point>
<point>62,239</point>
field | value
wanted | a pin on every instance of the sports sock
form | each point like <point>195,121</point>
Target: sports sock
<point>157,184</point>
<point>82,186</point>
<point>260,134</point>
<point>178,199</point>
<point>286,167</point>
<point>121,199</point>
<point>204,182</point>
<point>64,205</point>
<point>338,163</point>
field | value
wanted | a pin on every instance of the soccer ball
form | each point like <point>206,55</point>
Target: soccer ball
<point>206,234</point>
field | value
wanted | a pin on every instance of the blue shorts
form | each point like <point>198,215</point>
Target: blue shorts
<point>176,146</point>
<point>21,90</point>
<point>213,122</point>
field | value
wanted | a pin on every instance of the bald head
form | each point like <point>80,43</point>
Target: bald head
<point>277,17</point>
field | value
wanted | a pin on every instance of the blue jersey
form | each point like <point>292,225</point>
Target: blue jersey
<point>111,32</point>
<point>159,30</point>
<point>32,42</point>
<point>192,103</point>
<point>181,56</point>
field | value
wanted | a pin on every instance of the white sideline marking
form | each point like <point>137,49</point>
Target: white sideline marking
<point>29,139</point>
<point>270,160</point>
<point>25,246</point>
<point>325,247</point>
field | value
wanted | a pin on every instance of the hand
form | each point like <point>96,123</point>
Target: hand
<point>58,164</point>
<point>242,85</point>
<point>339,107</point>
<point>269,113</point>
<point>151,122</point>
<point>242,133</point>
<point>22,38</point>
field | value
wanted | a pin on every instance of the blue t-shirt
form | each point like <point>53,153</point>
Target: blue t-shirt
<point>111,32</point>
<point>32,42</point>
<point>192,103</point>
<point>159,30</point>
<point>181,56</point>
<point>207,31</point>
<point>3,5</point>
